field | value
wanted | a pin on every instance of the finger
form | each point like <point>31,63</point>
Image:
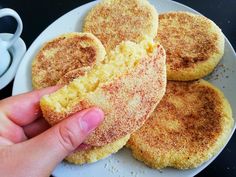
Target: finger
<point>36,127</point>
<point>10,130</point>
<point>52,146</point>
<point>24,109</point>
<point>83,147</point>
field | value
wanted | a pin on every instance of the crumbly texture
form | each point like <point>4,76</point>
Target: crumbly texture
<point>71,75</point>
<point>96,153</point>
<point>114,21</point>
<point>63,54</point>
<point>191,124</point>
<point>119,98</point>
<point>194,45</point>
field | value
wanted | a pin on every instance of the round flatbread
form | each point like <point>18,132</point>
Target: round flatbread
<point>63,54</point>
<point>191,124</point>
<point>114,21</point>
<point>194,45</point>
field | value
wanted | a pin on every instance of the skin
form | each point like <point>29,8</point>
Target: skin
<point>28,146</point>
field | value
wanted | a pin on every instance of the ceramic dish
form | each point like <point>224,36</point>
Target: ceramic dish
<point>122,163</point>
<point>17,50</point>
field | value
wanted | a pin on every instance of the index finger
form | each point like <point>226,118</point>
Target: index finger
<point>24,108</point>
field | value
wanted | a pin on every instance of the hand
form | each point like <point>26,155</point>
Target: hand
<point>21,119</point>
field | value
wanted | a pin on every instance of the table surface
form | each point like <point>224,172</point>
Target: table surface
<point>37,15</point>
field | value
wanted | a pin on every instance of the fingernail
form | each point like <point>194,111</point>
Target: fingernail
<point>91,119</point>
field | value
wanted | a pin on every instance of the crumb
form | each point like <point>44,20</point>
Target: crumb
<point>105,166</point>
<point>160,171</point>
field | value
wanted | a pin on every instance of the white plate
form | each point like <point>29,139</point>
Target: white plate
<point>122,163</point>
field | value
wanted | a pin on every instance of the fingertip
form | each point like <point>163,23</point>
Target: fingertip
<point>99,112</point>
<point>91,119</point>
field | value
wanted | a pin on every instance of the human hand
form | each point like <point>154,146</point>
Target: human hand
<point>21,119</point>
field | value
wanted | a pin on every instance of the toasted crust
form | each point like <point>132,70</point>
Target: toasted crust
<point>114,21</point>
<point>194,45</point>
<point>97,153</point>
<point>63,54</point>
<point>191,123</point>
<point>120,100</point>
<point>71,75</point>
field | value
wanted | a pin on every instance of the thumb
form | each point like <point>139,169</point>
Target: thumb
<point>52,146</point>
